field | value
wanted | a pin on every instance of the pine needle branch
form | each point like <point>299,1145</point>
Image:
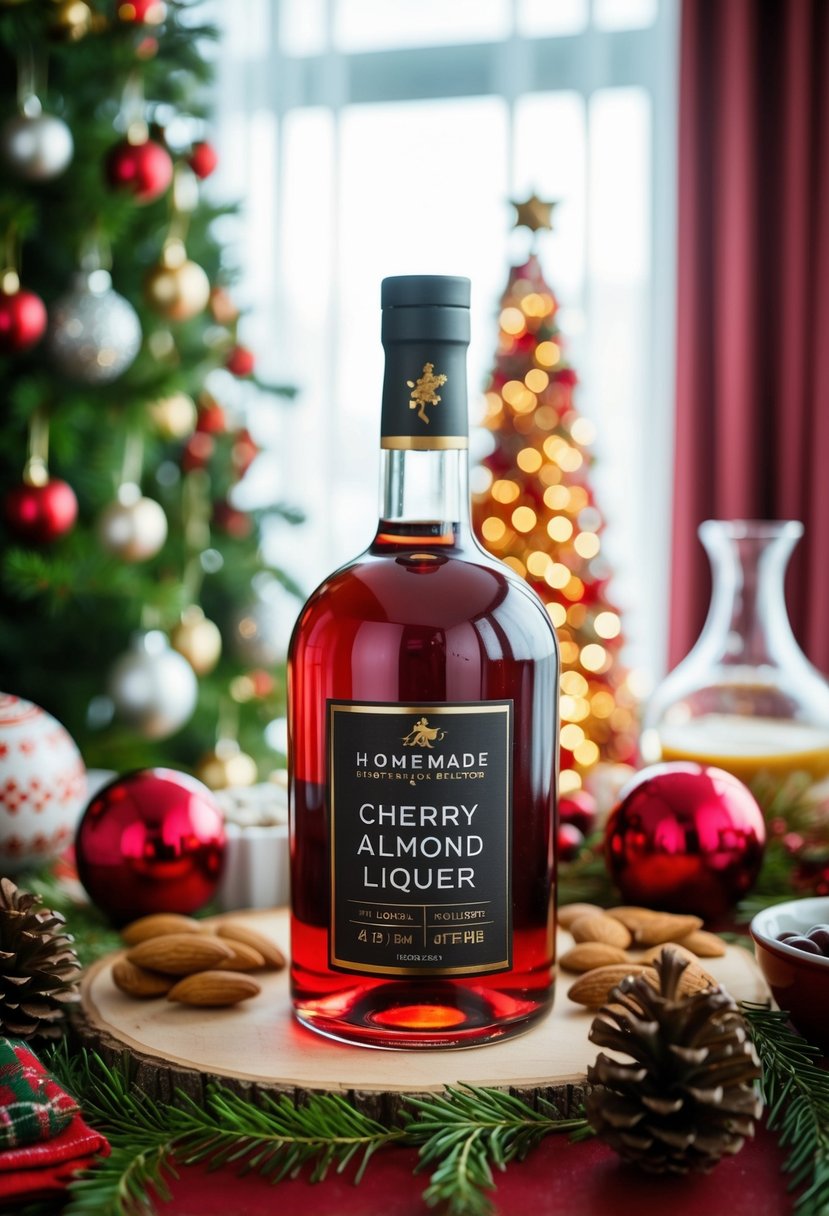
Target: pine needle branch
<point>467,1130</point>
<point>276,1138</point>
<point>796,1092</point>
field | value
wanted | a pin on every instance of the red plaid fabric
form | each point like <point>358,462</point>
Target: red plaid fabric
<point>43,1139</point>
<point>32,1105</point>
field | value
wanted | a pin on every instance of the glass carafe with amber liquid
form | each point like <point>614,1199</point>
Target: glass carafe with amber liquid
<point>746,698</point>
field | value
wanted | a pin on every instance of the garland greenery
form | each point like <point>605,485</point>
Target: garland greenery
<point>796,1093</point>
<point>461,1135</point>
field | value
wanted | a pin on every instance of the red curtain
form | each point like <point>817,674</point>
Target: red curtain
<point>752,421</point>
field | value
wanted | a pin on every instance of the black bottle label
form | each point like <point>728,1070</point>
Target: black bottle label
<point>420,838</point>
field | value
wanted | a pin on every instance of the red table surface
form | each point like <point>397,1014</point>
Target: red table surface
<point>557,1178</point>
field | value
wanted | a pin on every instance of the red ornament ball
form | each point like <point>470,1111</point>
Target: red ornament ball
<point>41,514</point>
<point>22,321</point>
<point>151,841</point>
<point>211,419</point>
<point>142,12</point>
<point>579,809</point>
<point>685,838</point>
<point>197,452</point>
<point>203,159</point>
<point>231,521</point>
<point>569,841</point>
<point>240,361</point>
<point>145,170</point>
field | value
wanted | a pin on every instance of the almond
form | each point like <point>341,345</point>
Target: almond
<point>158,925</point>
<point>180,953</point>
<point>244,958</point>
<point>567,913</point>
<point>704,944</point>
<point>655,951</point>
<point>232,931</point>
<point>594,987</point>
<point>588,955</point>
<point>600,928</point>
<point>694,978</point>
<point>214,988</point>
<point>665,927</point>
<point>137,981</point>
<point>632,917</point>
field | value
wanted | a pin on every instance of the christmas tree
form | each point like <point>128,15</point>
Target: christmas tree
<point>136,604</point>
<point>538,514</point>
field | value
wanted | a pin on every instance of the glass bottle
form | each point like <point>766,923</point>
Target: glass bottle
<point>745,698</point>
<point>423,681</point>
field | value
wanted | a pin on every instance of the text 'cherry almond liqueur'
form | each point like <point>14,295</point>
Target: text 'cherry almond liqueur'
<point>423,694</point>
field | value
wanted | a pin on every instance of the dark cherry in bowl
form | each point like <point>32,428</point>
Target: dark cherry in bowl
<point>798,981</point>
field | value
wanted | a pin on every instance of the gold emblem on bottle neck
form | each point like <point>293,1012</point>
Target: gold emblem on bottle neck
<point>424,391</point>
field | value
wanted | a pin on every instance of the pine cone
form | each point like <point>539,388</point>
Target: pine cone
<point>689,1096</point>
<point>39,968</point>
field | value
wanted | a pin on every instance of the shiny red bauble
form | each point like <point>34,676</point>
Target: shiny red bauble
<point>211,419</point>
<point>685,838</point>
<point>579,809</point>
<point>144,170</point>
<point>41,514</point>
<point>569,841</point>
<point>151,841</point>
<point>22,321</point>
<point>142,12</point>
<point>244,452</point>
<point>203,159</point>
<point>240,361</point>
<point>231,521</point>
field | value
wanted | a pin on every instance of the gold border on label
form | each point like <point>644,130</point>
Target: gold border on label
<point>498,707</point>
<point>423,443</point>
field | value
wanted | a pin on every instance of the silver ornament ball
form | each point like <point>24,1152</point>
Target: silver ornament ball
<point>94,334</point>
<point>133,527</point>
<point>36,146</point>
<point>153,688</point>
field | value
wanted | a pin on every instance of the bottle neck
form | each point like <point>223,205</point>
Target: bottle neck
<point>424,431</point>
<point>424,495</point>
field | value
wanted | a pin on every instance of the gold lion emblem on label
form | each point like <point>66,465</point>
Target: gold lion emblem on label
<point>423,391</point>
<point>423,735</point>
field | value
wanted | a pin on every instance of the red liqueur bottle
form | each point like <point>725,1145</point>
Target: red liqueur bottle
<point>423,693</point>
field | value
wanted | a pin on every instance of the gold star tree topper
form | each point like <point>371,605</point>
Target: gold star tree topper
<point>535,213</point>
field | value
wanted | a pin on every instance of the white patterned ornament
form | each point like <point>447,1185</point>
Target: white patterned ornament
<point>94,333</point>
<point>153,688</point>
<point>42,785</point>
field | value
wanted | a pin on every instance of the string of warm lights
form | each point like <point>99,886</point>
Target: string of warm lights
<point>534,509</point>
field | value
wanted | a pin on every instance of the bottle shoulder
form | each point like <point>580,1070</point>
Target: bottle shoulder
<point>430,588</point>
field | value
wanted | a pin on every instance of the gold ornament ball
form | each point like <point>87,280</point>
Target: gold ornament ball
<point>72,20</point>
<point>226,767</point>
<point>174,417</point>
<point>177,288</point>
<point>199,640</point>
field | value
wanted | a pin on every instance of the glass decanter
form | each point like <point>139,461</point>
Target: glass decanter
<point>745,698</point>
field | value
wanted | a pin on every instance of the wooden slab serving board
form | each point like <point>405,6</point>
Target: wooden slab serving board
<point>258,1046</point>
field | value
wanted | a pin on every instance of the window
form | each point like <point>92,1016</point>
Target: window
<point>375,137</point>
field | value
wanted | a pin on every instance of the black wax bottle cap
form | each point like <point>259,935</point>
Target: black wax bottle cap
<point>425,290</point>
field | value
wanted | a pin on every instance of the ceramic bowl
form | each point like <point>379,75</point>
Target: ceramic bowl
<point>799,981</point>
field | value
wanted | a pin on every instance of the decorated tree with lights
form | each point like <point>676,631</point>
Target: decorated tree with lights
<point>136,604</point>
<point>538,513</point>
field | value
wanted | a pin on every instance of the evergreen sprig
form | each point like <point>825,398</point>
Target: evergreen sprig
<point>796,1092</point>
<point>461,1134</point>
<point>467,1130</point>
